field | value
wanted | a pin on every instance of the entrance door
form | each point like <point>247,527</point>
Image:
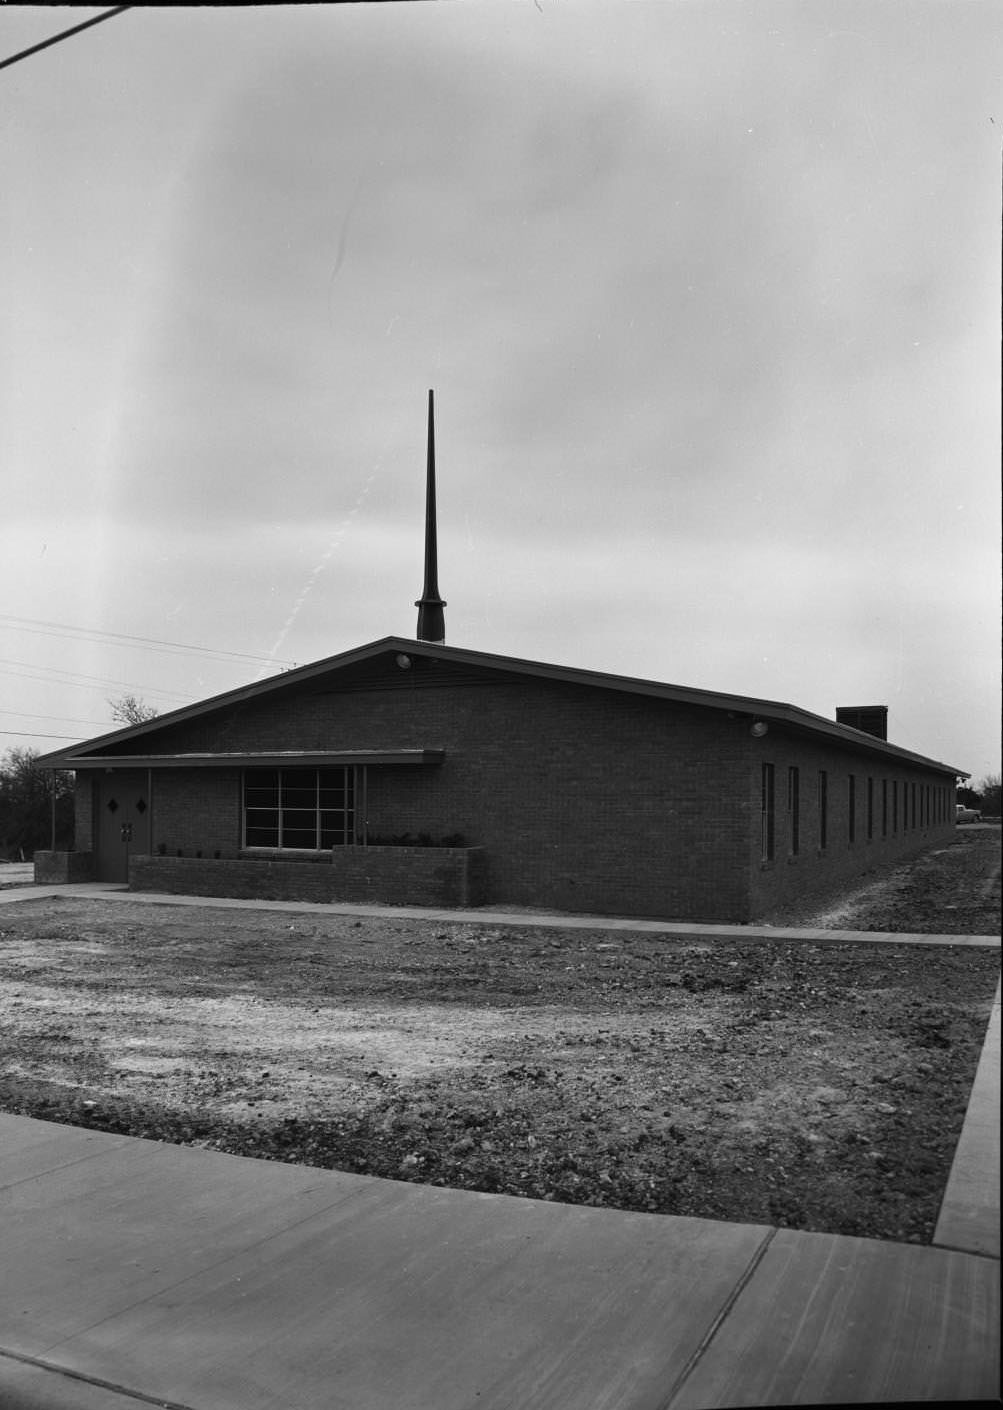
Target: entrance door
<point>123,822</point>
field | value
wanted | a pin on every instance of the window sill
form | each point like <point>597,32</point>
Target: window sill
<point>284,854</point>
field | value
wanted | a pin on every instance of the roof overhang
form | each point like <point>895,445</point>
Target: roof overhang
<point>88,753</point>
<point>287,758</point>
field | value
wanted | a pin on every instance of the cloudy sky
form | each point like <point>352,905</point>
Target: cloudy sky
<point>708,294</point>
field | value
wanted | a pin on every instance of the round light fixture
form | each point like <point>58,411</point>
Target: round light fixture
<point>759,728</point>
<point>404,662</point>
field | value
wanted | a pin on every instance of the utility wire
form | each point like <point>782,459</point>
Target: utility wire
<point>59,719</point>
<point>65,34</point>
<point>31,734</point>
<point>64,629</point>
<point>26,672</point>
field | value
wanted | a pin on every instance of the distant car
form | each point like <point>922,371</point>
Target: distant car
<point>963,814</point>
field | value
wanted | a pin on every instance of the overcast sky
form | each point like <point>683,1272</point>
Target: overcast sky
<point>709,295</point>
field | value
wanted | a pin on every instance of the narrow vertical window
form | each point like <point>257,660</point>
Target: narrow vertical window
<point>870,810</point>
<point>768,814</point>
<point>793,812</point>
<point>895,806</point>
<point>851,808</point>
<point>884,807</point>
<point>823,809</point>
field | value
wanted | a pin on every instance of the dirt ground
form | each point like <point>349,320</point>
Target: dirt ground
<point>818,1086</point>
<point>953,890</point>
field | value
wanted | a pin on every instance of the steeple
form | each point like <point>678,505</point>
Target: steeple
<point>431,620</point>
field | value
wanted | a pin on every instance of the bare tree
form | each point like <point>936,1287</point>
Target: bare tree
<point>26,797</point>
<point>131,710</point>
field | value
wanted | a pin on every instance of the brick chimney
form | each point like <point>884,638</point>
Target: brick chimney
<point>872,719</point>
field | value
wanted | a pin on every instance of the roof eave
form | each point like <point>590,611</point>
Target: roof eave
<point>771,710</point>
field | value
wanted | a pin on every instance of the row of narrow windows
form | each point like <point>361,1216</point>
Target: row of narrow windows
<point>874,807</point>
<point>314,809</point>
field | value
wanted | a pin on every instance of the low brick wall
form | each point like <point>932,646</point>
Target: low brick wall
<point>402,876</point>
<point>59,868</point>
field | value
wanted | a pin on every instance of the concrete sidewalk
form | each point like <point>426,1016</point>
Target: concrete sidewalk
<point>114,891</point>
<point>173,1276</point>
<point>135,1273</point>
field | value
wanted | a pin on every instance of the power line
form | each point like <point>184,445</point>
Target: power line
<point>65,34</point>
<point>40,628</point>
<point>60,719</point>
<point>26,672</point>
<point>32,734</point>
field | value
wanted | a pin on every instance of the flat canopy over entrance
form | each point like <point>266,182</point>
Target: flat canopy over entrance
<point>320,758</point>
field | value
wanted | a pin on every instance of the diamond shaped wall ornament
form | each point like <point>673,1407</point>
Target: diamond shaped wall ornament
<point>112,806</point>
<point>141,807</point>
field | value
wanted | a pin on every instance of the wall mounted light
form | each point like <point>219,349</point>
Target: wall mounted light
<point>404,662</point>
<point>759,728</point>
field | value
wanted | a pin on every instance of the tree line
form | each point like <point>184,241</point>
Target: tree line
<point>26,794</point>
<point>26,806</point>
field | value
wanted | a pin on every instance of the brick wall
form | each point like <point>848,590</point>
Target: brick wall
<point>406,876</point>
<point>58,868</point>
<point>83,813</point>
<point>196,811</point>
<point>816,872</point>
<point>582,799</point>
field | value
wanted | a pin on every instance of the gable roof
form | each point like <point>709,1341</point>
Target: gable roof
<point>90,753</point>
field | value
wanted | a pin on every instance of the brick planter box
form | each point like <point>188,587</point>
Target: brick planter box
<point>402,876</point>
<point>57,868</point>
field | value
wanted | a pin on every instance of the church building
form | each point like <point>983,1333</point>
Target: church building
<point>415,773</point>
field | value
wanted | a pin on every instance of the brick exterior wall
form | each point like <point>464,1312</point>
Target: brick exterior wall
<point>583,799</point>
<point>58,868</point>
<point>83,813</point>
<point>816,872</point>
<point>196,812</point>
<point>405,876</point>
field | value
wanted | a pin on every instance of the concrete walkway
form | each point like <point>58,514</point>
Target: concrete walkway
<point>135,1270</point>
<point>114,891</point>
<point>135,1273</point>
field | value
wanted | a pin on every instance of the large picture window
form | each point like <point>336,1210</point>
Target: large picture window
<point>305,809</point>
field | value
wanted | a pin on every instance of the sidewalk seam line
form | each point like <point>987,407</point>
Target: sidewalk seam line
<point>120,1141</point>
<point>705,1341</point>
<point>139,1395</point>
<point>968,1252</point>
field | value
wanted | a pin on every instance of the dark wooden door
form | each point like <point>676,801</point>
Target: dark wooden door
<point>123,822</point>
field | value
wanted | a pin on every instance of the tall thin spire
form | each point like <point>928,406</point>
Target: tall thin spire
<point>431,619</point>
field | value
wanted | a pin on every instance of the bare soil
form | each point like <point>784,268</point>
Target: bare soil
<point>953,890</point>
<point>813,1085</point>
